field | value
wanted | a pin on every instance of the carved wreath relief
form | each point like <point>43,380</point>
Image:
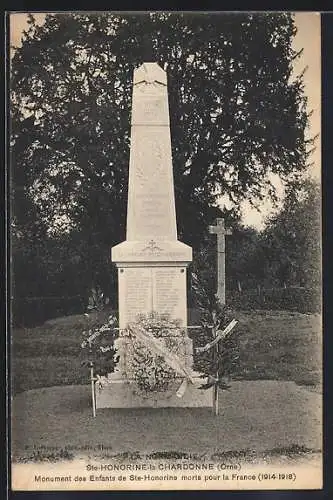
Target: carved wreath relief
<point>151,155</point>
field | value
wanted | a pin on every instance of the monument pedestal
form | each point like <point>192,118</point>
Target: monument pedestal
<point>123,394</point>
<point>120,391</point>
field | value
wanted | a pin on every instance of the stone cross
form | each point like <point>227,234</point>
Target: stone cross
<point>220,232</point>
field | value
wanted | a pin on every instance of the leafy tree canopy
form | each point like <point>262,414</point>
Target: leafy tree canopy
<point>236,114</point>
<point>291,240</point>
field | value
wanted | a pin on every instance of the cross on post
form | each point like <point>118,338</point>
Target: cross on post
<point>221,233</point>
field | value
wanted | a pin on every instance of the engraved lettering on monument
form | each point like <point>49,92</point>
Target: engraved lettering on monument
<point>136,292</point>
<point>151,110</point>
<point>170,287</point>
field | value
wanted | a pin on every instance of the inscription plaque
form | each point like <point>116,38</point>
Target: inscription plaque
<point>151,216</point>
<point>170,292</point>
<point>146,289</point>
<point>151,110</point>
<point>135,293</point>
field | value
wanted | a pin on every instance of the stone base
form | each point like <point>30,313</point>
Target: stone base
<point>122,394</point>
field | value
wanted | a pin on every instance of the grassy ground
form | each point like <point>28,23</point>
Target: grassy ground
<point>264,415</point>
<point>275,345</point>
<point>256,419</point>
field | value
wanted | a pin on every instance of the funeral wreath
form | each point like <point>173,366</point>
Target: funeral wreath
<point>146,367</point>
<point>98,348</point>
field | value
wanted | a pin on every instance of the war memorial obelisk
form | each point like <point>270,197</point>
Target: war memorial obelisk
<point>152,263</point>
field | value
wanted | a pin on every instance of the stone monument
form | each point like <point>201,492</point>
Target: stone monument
<point>151,263</point>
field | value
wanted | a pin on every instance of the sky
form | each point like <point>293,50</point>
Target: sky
<point>308,37</point>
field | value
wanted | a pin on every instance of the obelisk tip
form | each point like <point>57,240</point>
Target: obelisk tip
<point>150,72</point>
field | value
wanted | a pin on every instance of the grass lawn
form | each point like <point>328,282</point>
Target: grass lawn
<point>275,345</point>
<point>257,419</point>
<point>264,415</point>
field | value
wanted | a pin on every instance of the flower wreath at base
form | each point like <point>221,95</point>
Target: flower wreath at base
<point>147,369</point>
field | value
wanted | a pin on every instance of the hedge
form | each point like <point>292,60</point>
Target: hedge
<point>300,299</point>
<point>34,311</point>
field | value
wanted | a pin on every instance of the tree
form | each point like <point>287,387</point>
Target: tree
<point>236,116</point>
<point>245,259</point>
<point>291,240</point>
<point>219,357</point>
